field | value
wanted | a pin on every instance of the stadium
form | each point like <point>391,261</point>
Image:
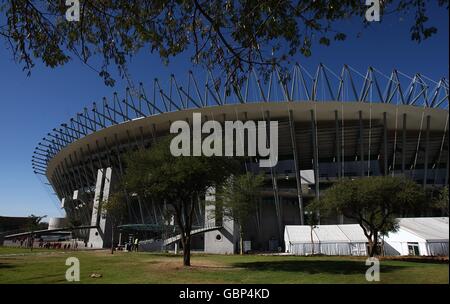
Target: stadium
<point>331,126</point>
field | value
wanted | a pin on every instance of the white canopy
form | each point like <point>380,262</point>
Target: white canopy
<point>419,236</point>
<point>427,228</point>
<point>430,233</point>
<point>325,234</point>
<point>299,234</point>
<point>328,239</point>
<point>353,232</point>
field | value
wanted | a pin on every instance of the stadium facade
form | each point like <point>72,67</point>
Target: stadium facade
<point>331,126</point>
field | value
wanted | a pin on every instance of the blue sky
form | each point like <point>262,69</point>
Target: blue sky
<point>31,106</point>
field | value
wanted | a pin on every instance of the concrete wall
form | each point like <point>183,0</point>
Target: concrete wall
<point>225,240</point>
<point>101,237</point>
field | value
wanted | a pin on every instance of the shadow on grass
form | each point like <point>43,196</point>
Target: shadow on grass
<point>314,267</point>
<point>430,260</point>
<point>4,266</point>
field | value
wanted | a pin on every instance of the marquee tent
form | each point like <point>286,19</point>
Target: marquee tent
<point>325,239</point>
<point>419,236</point>
<point>416,236</point>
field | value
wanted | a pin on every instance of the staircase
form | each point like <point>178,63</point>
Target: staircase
<point>176,238</point>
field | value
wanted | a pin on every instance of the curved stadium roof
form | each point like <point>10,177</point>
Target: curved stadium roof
<point>299,87</point>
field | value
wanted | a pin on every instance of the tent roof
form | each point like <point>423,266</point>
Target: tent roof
<point>427,228</point>
<point>330,233</point>
<point>299,234</point>
<point>325,234</point>
<point>353,232</point>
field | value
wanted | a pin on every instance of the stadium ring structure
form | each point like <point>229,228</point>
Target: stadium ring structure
<point>331,126</point>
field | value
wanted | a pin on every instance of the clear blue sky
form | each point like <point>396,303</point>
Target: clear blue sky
<point>31,106</point>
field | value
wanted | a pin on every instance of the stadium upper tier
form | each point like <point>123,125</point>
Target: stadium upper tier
<point>397,120</point>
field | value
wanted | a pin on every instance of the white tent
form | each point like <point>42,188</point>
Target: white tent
<point>416,236</point>
<point>419,236</point>
<point>325,239</point>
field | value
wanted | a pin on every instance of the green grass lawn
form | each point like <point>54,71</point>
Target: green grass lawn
<point>48,266</point>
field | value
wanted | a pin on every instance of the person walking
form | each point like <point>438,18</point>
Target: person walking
<point>136,244</point>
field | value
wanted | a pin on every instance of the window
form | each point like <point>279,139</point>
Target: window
<point>413,249</point>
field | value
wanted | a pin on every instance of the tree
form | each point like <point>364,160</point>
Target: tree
<point>116,208</point>
<point>231,35</point>
<point>33,224</point>
<point>312,222</point>
<point>73,222</point>
<point>181,181</point>
<point>239,197</point>
<point>441,202</point>
<point>374,202</point>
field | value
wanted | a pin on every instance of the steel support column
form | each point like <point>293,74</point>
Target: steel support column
<point>446,170</point>
<point>427,151</point>
<point>337,144</point>
<point>404,144</point>
<point>361,144</point>
<point>385,141</point>
<point>315,156</point>
<point>274,182</point>
<point>296,166</point>
<point>438,159</point>
<point>338,154</point>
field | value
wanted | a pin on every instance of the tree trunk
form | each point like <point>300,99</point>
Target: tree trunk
<point>186,251</point>
<point>241,240</point>
<point>370,248</point>
<point>184,221</point>
<point>373,244</point>
<point>112,240</point>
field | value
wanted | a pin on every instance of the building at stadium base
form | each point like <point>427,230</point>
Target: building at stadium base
<point>13,224</point>
<point>331,126</point>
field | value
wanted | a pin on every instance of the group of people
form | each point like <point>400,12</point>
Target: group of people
<point>132,245</point>
<point>40,243</point>
<point>57,245</point>
<point>20,242</point>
